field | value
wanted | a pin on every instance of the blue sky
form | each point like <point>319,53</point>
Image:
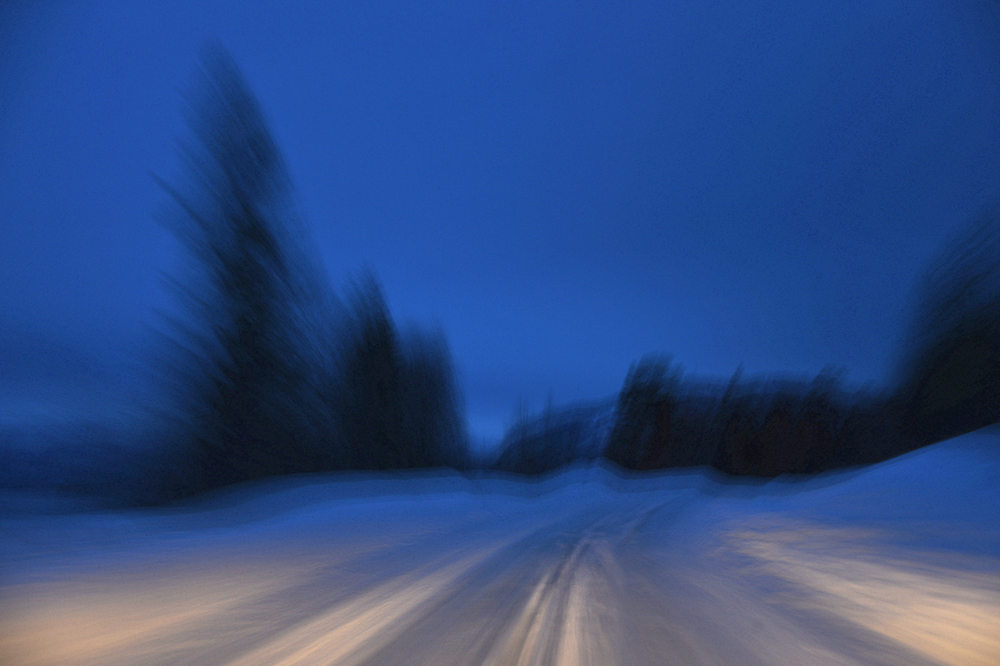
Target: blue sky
<point>562,187</point>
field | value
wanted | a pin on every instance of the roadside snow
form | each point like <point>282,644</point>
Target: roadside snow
<point>896,563</point>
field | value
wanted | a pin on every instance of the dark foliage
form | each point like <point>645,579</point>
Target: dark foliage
<point>271,375</point>
<point>950,375</point>
<point>248,377</point>
<point>536,444</point>
<point>762,428</point>
<point>803,427</point>
<point>949,384</point>
<point>432,410</point>
<point>397,402</point>
<point>370,403</point>
<point>641,438</point>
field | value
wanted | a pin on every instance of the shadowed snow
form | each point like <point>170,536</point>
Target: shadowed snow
<point>894,564</point>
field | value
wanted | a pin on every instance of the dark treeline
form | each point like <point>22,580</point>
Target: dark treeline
<point>761,427</point>
<point>948,384</point>
<point>270,373</point>
<point>265,371</point>
<point>535,444</point>
<point>949,378</point>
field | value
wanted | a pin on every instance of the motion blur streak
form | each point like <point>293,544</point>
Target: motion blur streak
<point>951,615</point>
<point>92,620</point>
<point>895,565</point>
<point>353,632</point>
<point>566,601</point>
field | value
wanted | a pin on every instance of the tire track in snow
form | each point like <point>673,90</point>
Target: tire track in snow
<point>548,598</point>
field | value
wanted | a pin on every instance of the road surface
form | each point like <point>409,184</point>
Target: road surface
<point>579,570</point>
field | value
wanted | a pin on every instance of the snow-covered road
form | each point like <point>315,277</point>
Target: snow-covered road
<point>897,564</point>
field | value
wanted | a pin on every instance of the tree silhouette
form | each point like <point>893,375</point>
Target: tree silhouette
<point>249,369</point>
<point>645,409</point>
<point>432,411</point>
<point>950,376</point>
<point>370,403</point>
<point>397,403</point>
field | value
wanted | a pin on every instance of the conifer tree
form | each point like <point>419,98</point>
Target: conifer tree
<point>950,379</point>
<point>249,380</point>
<point>371,401</point>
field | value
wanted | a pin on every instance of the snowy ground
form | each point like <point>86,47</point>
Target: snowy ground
<point>896,564</point>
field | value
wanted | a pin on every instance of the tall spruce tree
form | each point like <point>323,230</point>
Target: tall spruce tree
<point>251,403</point>
<point>432,409</point>
<point>370,405</point>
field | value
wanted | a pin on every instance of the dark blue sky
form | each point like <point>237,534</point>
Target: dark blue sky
<point>562,186</point>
